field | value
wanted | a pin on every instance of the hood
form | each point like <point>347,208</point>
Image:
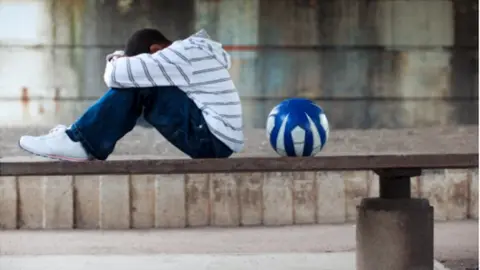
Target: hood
<point>204,41</point>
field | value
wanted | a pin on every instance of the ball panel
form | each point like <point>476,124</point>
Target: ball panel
<point>315,133</point>
<point>325,125</point>
<point>275,109</point>
<point>309,140</point>
<point>281,152</point>
<point>323,131</point>
<point>279,116</point>
<point>287,135</point>
<point>270,125</point>
<point>298,138</point>
<point>280,140</point>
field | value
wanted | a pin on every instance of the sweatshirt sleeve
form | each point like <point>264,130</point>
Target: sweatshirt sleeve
<point>168,67</point>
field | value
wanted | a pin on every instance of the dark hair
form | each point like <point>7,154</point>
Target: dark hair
<point>141,41</point>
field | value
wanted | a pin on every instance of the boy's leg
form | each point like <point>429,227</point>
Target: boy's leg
<point>107,121</point>
<point>95,133</point>
<point>181,122</point>
<point>168,109</point>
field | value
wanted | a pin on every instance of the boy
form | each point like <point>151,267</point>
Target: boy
<point>182,88</point>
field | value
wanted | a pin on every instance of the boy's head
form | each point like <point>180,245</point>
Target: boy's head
<point>146,41</point>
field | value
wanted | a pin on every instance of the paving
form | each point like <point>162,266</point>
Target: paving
<point>277,261</point>
<point>298,247</point>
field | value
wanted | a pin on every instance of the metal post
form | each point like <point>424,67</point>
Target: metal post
<point>395,183</point>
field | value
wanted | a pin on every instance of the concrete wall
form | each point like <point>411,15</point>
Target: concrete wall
<point>371,64</point>
<point>177,201</point>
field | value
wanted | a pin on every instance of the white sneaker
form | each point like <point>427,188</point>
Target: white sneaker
<point>56,144</point>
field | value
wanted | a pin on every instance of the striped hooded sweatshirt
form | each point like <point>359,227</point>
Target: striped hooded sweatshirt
<point>199,67</point>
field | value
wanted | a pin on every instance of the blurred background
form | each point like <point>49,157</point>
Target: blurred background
<point>369,63</point>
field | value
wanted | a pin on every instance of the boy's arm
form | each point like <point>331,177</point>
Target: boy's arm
<point>163,68</point>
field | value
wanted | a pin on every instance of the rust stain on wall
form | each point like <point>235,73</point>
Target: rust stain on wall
<point>41,109</point>
<point>24,96</point>
<point>56,97</point>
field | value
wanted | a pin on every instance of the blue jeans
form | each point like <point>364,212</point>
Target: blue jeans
<point>168,109</point>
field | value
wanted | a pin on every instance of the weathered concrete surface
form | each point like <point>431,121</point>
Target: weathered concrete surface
<point>453,241</point>
<point>234,199</point>
<point>394,234</point>
<point>282,261</point>
<point>371,67</point>
<point>465,264</point>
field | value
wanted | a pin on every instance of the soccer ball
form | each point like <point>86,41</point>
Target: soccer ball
<point>297,127</point>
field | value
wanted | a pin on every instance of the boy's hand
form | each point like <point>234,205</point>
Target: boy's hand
<point>115,55</point>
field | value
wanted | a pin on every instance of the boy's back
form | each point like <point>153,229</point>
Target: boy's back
<point>214,92</point>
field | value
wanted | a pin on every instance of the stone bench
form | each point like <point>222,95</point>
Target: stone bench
<point>144,201</point>
<point>402,224</point>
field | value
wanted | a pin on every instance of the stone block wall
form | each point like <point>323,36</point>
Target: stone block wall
<point>178,201</point>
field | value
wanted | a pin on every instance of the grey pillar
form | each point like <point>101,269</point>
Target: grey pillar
<point>395,232</point>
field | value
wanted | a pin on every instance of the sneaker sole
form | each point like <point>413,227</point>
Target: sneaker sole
<point>54,157</point>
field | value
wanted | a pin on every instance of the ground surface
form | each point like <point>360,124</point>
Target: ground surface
<point>143,141</point>
<point>471,264</point>
<point>456,245</point>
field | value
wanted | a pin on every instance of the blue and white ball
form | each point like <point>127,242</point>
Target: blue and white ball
<point>297,127</point>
